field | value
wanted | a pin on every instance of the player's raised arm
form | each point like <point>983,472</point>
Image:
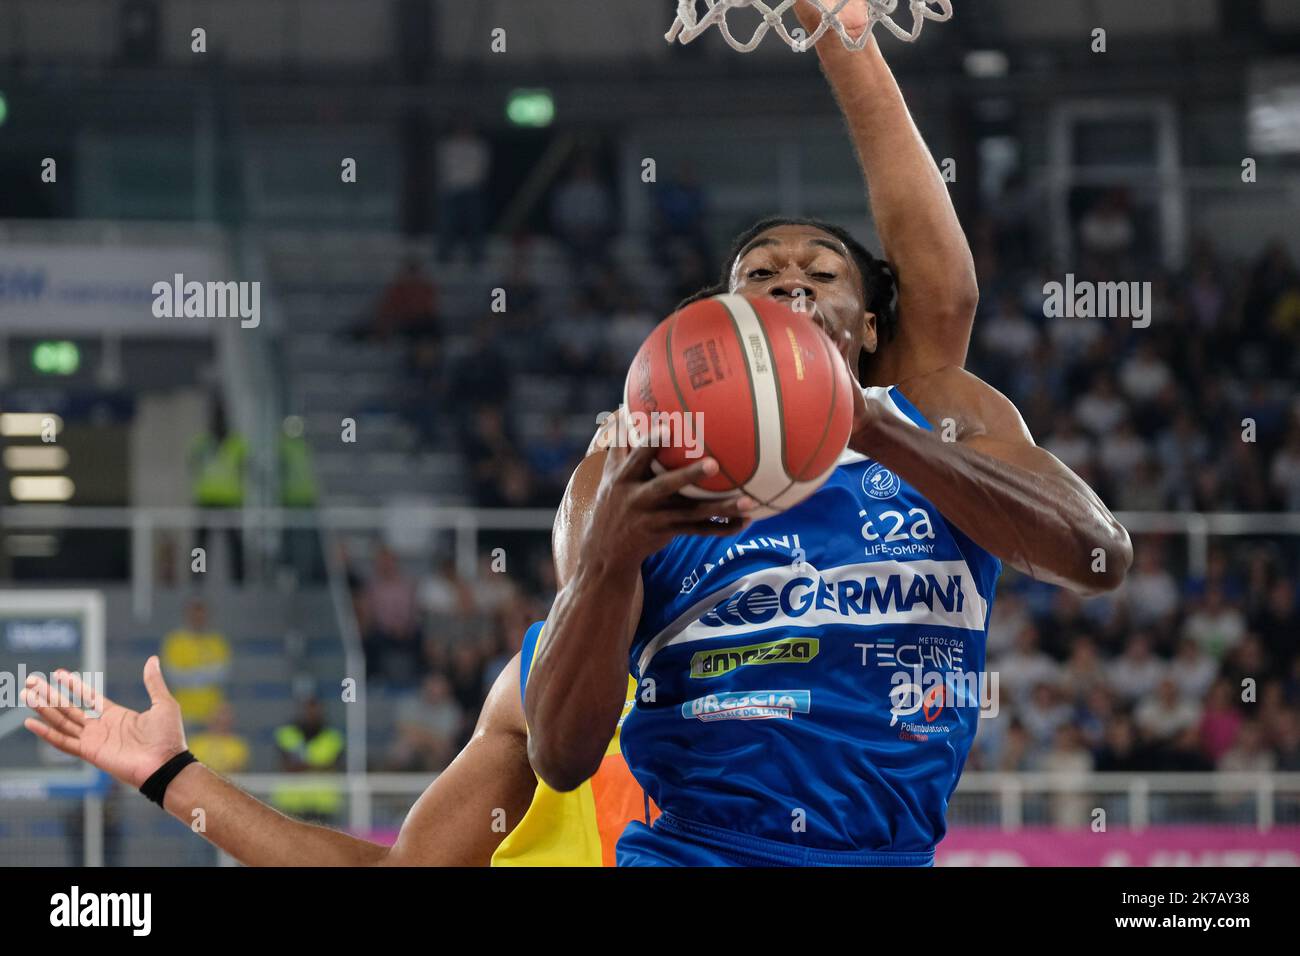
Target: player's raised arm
<point>987,477</point>
<point>614,516</point>
<point>450,825</point>
<point>918,227</point>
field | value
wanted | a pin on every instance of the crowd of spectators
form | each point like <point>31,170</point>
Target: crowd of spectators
<point>1172,672</point>
<point>435,642</point>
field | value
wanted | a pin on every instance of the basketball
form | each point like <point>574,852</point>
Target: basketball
<point>751,383</point>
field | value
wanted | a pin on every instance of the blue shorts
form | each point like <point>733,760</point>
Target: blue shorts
<point>676,842</point>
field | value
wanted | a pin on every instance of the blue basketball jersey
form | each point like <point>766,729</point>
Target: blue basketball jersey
<point>816,680</point>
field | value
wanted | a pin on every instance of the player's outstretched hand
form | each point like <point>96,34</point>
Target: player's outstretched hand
<point>637,512</point>
<point>126,744</point>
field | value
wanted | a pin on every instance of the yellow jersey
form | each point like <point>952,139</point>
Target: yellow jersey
<point>581,827</point>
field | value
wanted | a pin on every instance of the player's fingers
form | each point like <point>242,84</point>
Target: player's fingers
<point>38,692</point>
<point>52,706</point>
<point>69,745</point>
<point>644,447</point>
<point>154,683</point>
<point>82,692</point>
<point>60,719</point>
<point>671,482</point>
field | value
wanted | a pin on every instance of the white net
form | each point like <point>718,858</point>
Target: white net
<point>692,21</point>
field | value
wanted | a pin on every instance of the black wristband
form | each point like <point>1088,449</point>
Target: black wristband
<point>156,786</point>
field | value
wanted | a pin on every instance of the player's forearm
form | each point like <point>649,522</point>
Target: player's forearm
<point>255,834</point>
<point>1048,523</point>
<point>578,683</point>
<point>914,214</point>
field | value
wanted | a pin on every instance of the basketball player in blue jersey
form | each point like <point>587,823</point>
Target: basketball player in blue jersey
<point>810,684</point>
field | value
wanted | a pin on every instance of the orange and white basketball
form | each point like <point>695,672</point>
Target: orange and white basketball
<point>751,383</point>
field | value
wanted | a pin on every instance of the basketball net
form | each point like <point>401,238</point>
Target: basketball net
<point>690,24</point>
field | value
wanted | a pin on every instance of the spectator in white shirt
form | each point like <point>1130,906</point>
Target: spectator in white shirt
<point>1193,670</point>
<point>1163,716</point>
<point>463,159</point>
<point>1137,672</point>
<point>1216,626</point>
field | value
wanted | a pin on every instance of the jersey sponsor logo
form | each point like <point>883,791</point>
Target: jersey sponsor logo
<point>724,660</point>
<point>851,597</point>
<point>923,591</point>
<point>929,678</point>
<point>787,544</point>
<point>880,483</point>
<point>749,705</point>
<point>898,535</point>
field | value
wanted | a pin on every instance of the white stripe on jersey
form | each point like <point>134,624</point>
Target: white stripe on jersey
<point>893,582</point>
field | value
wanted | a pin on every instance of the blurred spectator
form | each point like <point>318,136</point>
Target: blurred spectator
<point>217,462</point>
<point>1193,670</point>
<point>444,593</point>
<point>1121,752</point>
<point>582,213</point>
<point>1287,740</point>
<point>301,546</point>
<point>1026,666</point>
<point>464,158</point>
<point>1068,443</point>
<point>1216,625</point>
<point>407,307</point>
<point>1101,409</point>
<point>1107,231</point>
<point>1278,623</point>
<point>481,376</point>
<point>390,622</point>
<point>309,745</point>
<point>1284,475</point>
<point>196,660</point>
<point>1163,716</point>
<point>1149,592</point>
<point>428,728</point>
<point>551,458</point>
<point>1249,754</point>
<point>1137,672</point>
<point>218,747</point>
<point>680,207</point>
<point>1068,756</point>
<point>1221,720</point>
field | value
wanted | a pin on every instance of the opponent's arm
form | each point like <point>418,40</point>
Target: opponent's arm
<point>612,518</point>
<point>450,825</point>
<point>918,227</point>
<point>1016,500</point>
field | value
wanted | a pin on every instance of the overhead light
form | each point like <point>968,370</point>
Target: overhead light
<point>35,458</point>
<point>41,488</point>
<point>27,424</point>
<point>987,63</point>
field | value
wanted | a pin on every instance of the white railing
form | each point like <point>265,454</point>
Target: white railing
<point>467,523</point>
<point>1273,799</point>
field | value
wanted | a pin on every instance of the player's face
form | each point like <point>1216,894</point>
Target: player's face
<point>787,261</point>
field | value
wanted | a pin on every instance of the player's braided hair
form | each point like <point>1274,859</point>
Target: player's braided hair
<point>879,285</point>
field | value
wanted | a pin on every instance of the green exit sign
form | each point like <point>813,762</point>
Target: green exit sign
<point>535,108</point>
<point>56,358</point>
